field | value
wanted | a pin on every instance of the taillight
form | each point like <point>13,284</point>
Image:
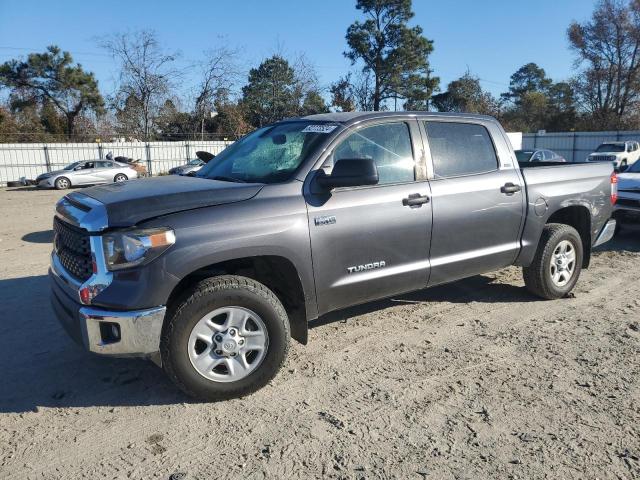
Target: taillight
<point>614,188</point>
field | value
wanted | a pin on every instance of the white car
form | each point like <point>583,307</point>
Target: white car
<point>86,173</point>
<point>620,154</point>
<point>627,208</point>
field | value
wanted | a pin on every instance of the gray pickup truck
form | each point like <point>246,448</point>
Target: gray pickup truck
<point>210,276</point>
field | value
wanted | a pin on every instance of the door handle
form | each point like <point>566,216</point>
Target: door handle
<point>415,200</point>
<point>510,188</point>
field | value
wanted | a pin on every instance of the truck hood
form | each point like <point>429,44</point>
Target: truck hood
<point>629,182</point>
<point>128,203</point>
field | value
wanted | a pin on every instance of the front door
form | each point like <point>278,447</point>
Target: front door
<point>477,199</point>
<point>369,242</point>
<point>85,174</point>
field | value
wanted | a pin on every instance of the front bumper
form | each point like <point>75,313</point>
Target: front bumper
<point>627,212</point>
<point>117,333</point>
<point>45,183</point>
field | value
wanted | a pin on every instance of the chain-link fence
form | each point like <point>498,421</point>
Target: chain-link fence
<point>28,160</point>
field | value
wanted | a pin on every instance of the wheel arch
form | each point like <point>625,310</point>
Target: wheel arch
<point>277,273</point>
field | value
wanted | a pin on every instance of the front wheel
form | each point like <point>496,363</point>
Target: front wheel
<point>62,183</point>
<point>226,339</point>
<point>557,264</point>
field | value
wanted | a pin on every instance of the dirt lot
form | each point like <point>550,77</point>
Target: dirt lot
<point>471,380</point>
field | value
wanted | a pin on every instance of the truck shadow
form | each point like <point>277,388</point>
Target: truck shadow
<point>627,240</point>
<point>42,367</point>
<point>44,236</point>
<point>481,288</point>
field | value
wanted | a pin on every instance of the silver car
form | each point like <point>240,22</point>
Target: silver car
<point>86,173</point>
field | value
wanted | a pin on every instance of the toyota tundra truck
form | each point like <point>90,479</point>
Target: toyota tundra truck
<point>210,276</point>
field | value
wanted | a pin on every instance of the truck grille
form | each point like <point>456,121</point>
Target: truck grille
<point>73,248</point>
<point>602,158</point>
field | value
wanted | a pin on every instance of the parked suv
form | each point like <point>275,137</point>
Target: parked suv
<point>620,154</point>
<point>210,276</point>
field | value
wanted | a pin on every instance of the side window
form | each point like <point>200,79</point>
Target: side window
<point>88,165</point>
<point>549,155</point>
<point>389,145</point>
<point>460,149</point>
<point>104,164</point>
<point>537,157</point>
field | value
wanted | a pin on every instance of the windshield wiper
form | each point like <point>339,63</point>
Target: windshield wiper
<point>228,179</point>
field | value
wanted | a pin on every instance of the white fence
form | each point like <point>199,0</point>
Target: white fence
<point>574,146</point>
<point>29,160</point>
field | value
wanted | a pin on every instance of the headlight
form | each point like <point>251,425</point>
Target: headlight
<point>133,247</point>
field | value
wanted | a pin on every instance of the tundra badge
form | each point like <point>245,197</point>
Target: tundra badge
<point>368,266</point>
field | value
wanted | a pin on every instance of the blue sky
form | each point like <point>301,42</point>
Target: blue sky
<point>492,38</point>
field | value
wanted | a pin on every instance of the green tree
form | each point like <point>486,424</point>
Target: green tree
<point>397,55</point>
<point>466,95</point>
<point>174,124</point>
<point>561,115</point>
<point>530,115</point>
<point>527,79</point>
<point>313,103</point>
<point>608,48</point>
<point>269,95</point>
<point>53,78</point>
<point>276,90</point>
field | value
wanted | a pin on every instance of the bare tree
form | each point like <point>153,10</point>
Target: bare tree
<point>608,46</point>
<point>219,74</point>
<point>147,74</point>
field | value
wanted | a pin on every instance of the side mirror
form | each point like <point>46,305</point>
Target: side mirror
<point>350,172</point>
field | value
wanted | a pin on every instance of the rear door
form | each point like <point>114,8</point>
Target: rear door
<point>366,242</point>
<point>477,199</point>
<point>105,171</point>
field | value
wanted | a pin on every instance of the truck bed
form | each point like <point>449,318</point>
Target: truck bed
<point>554,185</point>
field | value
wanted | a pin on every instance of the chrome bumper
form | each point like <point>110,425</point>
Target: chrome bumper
<point>133,333</point>
<point>606,234</point>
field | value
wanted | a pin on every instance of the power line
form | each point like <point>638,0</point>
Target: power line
<point>36,50</point>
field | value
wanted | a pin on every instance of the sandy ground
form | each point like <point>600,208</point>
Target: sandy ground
<point>472,380</point>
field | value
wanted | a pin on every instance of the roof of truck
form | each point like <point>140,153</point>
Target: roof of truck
<point>350,117</point>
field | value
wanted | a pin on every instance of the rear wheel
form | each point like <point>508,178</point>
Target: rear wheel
<point>557,264</point>
<point>121,177</point>
<point>62,183</point>
<point>226,339</point>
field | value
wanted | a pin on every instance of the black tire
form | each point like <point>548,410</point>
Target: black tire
<point>122,178</point>
<point>205,297</point>
<point>13,184</point>
<point>537,276</point>
<point>62,183</point>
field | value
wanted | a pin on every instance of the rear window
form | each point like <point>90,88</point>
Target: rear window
<point>460,149</point>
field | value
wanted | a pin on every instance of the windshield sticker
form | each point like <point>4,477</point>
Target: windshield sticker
<point>319,128</point>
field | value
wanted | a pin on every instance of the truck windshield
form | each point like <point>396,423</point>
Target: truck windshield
<point>635,168</point>
<point>269,155</point>
<point>610,147</point>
